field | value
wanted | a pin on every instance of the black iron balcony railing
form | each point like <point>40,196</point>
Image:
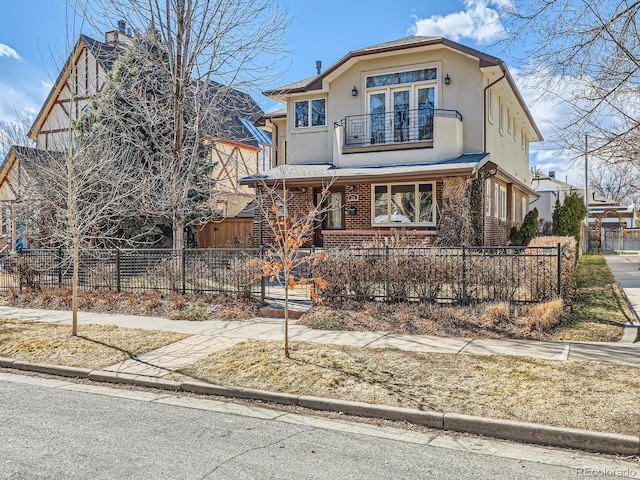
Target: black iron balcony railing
<point>398,126</point>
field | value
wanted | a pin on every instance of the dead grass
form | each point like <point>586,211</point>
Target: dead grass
<point>153,303</point>
<point>96,346</point>
<point>598,314</point>
<point>573,394</point>
<point>600,309</point>
<point>499,320</point>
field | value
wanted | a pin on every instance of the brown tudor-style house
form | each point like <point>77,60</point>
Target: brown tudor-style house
<point>422,138</point>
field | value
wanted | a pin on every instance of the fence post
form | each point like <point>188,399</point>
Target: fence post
<point>184,270</point>
<point>263,279</point>
<point>386,261</point>
<point>118,284</point>
<point>60,267</point>
<point>464,274</point>
<point>559,269</point>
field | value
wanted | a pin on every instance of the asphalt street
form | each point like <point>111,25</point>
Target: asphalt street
<point>57,429</point>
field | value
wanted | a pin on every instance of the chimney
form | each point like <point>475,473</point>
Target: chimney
<point>319,66</point>
<point>552,174</point>
<point>122,26</point>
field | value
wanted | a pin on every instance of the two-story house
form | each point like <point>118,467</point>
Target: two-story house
<point>238,148</point>
<point>421,137</point>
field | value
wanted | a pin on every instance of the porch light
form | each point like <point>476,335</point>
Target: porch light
<point>354,91</point>
<point>447,80</point>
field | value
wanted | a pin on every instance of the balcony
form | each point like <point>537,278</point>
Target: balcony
<point>393,128</point>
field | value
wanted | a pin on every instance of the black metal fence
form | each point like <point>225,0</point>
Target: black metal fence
<point>182,271</point>
<point>392,127</point>
<point>448,275</point>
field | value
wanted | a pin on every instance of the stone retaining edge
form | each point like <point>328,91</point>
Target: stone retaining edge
<point>601,442</point>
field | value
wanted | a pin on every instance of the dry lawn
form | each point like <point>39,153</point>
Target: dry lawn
<point>499,320</point>
<point>152,303</point>
<point>574,394</point>
<point>96,346</point>
<point>600,309</point>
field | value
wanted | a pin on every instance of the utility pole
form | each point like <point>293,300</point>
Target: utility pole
<point>586,176</point>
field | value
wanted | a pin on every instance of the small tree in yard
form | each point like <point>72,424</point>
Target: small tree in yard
<point>523,235</point>
<point>283,259</point>
<point>567,217</point>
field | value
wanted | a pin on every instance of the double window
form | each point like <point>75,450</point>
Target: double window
<point>401,106</point>
<point>310,113</point>
<point>412,203</point>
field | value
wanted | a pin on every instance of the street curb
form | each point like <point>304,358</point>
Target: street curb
<point>544,434</point>
<point>630,334</point>
<point>601,442</point>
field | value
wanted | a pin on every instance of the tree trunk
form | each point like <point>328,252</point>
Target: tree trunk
<point>76,281</point>
<point>286,316</point>
<point>178,234</point>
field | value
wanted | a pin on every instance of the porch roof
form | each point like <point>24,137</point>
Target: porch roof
<point>316,174</point>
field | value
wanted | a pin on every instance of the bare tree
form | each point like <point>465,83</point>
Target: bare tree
<point>586,54</point>
<point>13,133</point>
<point>289,228</point>
<point>619,182</point>
<point>79,198</point>
<point>201,51</point>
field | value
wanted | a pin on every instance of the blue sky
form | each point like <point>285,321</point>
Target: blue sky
<point>33,44</point>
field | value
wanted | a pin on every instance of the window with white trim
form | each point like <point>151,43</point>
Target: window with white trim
<point>411,203</point>
<point>500,116</point>
<point>509,122</point>
<point>503,203</point>
<point>487,198</point>
<point>310,113</point>
<point>496,196</point>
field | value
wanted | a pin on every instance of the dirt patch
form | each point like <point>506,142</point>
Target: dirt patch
<point>499,320</point>
<point>156,304</point>
<point>96,346</point>
<point>584,395</point>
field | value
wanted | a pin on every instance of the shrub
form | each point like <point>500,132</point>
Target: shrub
<point>567,217</point>
<point>543,317</point>
<point>568,263</point>
<point>523,235</point>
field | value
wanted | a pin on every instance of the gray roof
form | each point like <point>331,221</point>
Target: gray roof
<point>314,173</point>
<point>406,41</point>
<point>105,54</point>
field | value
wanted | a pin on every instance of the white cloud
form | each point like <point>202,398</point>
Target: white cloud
<point>7,51</point>
<point>17,103</point>
<point>479,21</point>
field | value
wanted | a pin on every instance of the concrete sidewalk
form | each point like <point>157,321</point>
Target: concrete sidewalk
<point>226,333</point>
<point>626,270</point>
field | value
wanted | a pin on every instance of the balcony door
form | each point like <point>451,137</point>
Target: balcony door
<point>403,114</point>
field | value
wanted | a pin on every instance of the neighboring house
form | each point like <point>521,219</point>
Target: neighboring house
<point>606,213</point>
<point>550,190</point>
<point>238,142</point>
<point>603,212</point>
<point>421,137</point>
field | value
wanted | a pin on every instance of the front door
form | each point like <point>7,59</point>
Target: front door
<point>330,213</point>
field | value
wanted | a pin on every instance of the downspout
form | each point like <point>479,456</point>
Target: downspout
<point>484,145</point>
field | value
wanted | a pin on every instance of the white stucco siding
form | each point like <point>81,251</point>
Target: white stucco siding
<point>509,144</point>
